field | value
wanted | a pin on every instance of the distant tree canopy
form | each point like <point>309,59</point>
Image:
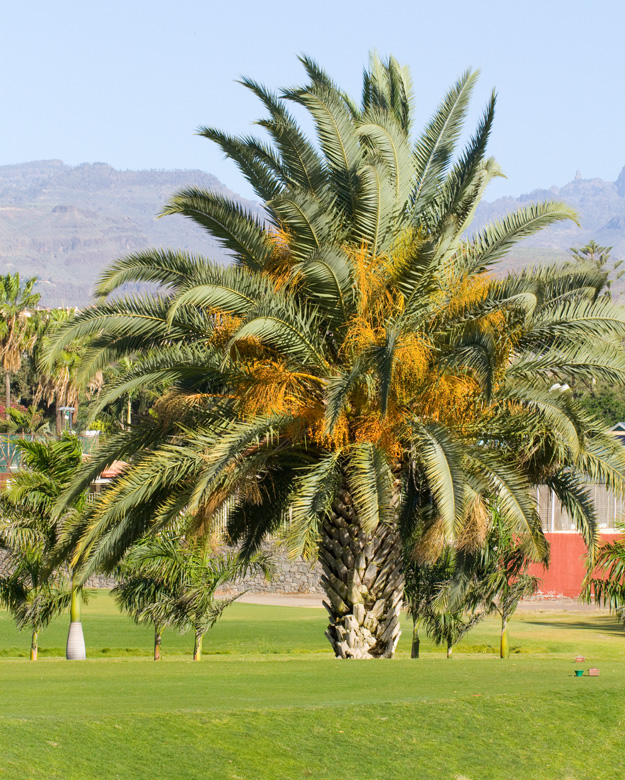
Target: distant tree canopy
<point>599,256</point>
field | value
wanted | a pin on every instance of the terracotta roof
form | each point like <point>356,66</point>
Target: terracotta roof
<point>114,470</point>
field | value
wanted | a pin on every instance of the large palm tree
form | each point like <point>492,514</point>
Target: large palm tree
<point>17,333</point>
<point>358,373</point>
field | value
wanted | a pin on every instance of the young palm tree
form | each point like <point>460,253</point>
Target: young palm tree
<point>605,581</point>
<point>167,580</point>
<point>47,469</point>
<point>495,578</point>
<point>32,594</point>
<point>359,373</point>
<point>423,582</point>
<point>449,626</point>
<point>17,334</point>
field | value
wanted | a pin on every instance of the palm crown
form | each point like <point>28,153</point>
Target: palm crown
<point>357,369</point>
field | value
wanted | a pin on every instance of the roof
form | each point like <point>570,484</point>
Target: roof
<point>114,470</point>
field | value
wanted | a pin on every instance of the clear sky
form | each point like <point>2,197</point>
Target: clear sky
<point>127,82</point>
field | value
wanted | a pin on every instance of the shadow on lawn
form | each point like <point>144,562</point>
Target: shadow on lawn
<point>607,623</point>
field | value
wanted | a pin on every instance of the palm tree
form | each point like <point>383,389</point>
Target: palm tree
<point>423,582</point>
<point>605,581</point>
<point>47,469</point>
<point>359,373</point>
<point>592,254</point>
<point>495,577</point>
<point>32,594</point>
<point>17,334</point>
<point>449,626</point>
<point>58,382</point>
<point>167,580</point>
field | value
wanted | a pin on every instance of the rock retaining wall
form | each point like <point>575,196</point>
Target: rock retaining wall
<point>289,577</point>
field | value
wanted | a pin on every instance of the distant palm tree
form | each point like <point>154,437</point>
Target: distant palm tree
<point>17,332</point>
<point>360,375</point>
<point>58,382</point>
<point>167,580</point>
<point>598,256</point>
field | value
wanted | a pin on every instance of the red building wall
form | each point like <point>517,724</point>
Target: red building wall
<point>566,568</point>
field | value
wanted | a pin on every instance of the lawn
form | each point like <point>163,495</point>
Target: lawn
<point>270,702</point>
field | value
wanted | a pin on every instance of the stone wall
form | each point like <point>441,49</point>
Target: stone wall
<point>289,577</point>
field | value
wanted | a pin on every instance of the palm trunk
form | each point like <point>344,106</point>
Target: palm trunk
<point>75,649</point>
<point>504,647</point>
<point>363,582</point>
<point>58,419</point>
<point>34,648</point>
<point>450,649</point>
<point>197,648</point>
<point>157,643</point>
<point>7,395</point>
<point>416,642</point>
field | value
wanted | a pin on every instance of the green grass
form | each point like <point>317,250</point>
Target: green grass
<point>270,702</point>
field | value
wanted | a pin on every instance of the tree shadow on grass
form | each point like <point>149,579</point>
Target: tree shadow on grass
<point>603,624</point>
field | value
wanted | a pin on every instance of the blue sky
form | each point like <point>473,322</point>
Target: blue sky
<point>128,82</point>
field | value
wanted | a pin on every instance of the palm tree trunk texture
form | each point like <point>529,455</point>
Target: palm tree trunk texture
<point>75,648</point>
<point>34,649</point>
<point>7,395</point>
<point>504,647</point>
<point>197,648</point>
<point>450,649</point>
<point>416,641</point>
<point>363,582</point>
<point>157,643</point>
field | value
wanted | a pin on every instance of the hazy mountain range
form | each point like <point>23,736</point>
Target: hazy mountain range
<point>64,223</point>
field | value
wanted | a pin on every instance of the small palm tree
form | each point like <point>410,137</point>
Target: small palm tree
<point>167,580</point>
<point>422,586</point>
<point>47,469</point>
<point>32,594</point>
<point>17,332</point>
<point>605,581</point>
<point>495,577</point>
<point>449,626</point>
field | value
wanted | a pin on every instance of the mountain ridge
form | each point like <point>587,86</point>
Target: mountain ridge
<point>65,224</point>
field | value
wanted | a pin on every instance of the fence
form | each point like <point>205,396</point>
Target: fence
<point>10,456</point>
<point>609,509</point>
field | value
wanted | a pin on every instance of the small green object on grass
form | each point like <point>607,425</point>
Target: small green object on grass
<point>579,672</point>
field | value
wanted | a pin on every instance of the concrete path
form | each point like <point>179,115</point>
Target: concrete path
<point>314,600</point>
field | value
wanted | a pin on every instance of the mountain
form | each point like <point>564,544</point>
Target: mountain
<point>64,223</point>
<point>601,208</point>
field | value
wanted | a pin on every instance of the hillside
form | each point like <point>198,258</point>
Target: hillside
<point>66,223</point>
